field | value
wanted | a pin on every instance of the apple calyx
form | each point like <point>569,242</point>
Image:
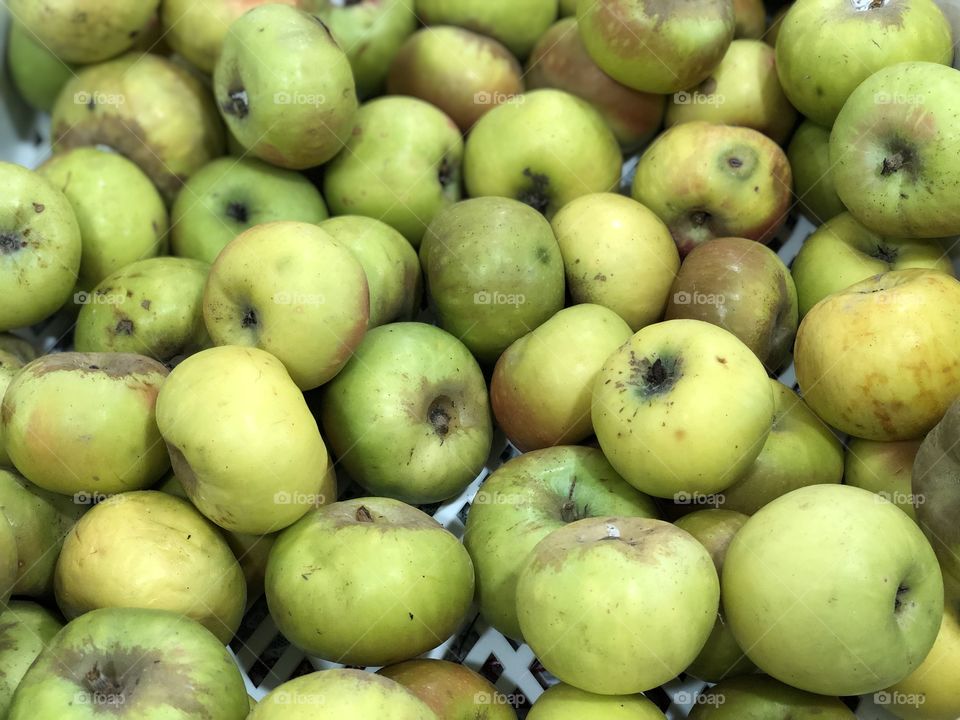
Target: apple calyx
<point>654,377</point>
<point>238,211</point>
<point>537,193</point>
<point>441,416</point>
<point>11,242</point>
<point>902,158</point>
<point>103,687</point>
<point>886,253</point>
<point>237,103</point>
<point>248,319</point>
<point>898,598</point>
<point>363,515</point>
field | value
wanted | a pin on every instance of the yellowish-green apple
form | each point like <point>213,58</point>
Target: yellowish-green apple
<point>809,156</point>
<point>25,630</point>
<point>8,560</point>
<point>833,590</point>
<point>760,697</point>
<point>750,19</point>
<point>21,349</point>
<point>682,407</point>
<point>894,389</point>
<point>515,23</point>
<point>453,691</point>
<point>37,73</point>
<point>10,364</point>
<point>885,468</point>
<point>565,702</point>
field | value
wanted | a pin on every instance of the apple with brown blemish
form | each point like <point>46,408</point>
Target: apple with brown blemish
<point>515,23</point>
<point>760,696</point>
<point>565,702</point>
<point>707,181</point>
<point>885,468</point>
<point>10,364</point>
<point>25,630</point>
<point>453,691</point>
<point>809,156</point>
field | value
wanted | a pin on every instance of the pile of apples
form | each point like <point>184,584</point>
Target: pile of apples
<point>315,238</point>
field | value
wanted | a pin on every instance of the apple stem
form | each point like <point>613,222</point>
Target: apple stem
<point>364,515</point>
<point>892,164</point>
<point>568,511</point>
<point>100,683</point>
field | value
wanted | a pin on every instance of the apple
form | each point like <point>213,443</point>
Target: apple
<point>123,662</point>
<point>560,60</point>
<point>85,422</point>
<point>493,272</point>
<point>116,103</point>
<point>149,549</point>
<point>344,694</point>
<point>618,254</point>
<point>759,697</point>
<point>231,195</point>
<point>826,49</point>
<point>10,365</point>
<point>890,149</point>
<point>833,590</point>
<point>484,75</point>
<point>654,49</point>
<point>397,581</point>
<point>292,115</point>
<point>37,74</point>
<point>453,691</point>
<point>25,630</point>
<point>17,347</point>
<point>894,389</point>
<point>951,9</point>
<point>288,288</point>
<point>799,451</point>
<point>36,278</point>
<point>699,391</point>
<point>401,166</point>
<point>742,90</point>
<point>544,148</point>
<point>884,468</point>
<point>842,252</point>
<point>750,19</point>
<point>409,417</point>
<point>526,499</point>
<point>809,156</point>
<point>706,181</point>
<point>565,702</point>
<point>616,606</point>
<point>8,559</point>
<point>541,386</point>
<point>515,23</point>
<point>743,287</point>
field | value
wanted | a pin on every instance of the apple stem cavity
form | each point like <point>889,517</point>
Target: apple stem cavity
<point>238,211</point>
<point>103,685</point>
<point>886,253</point>
<point>440,415</point>
<point>537,194</point>
<point>364,515</point>
<point>568,511</point>
<point>237,104</point>
<point>902,158</point>
<point>897,601</point>
<point>10,243</point>
<point>249,319</point>
<point>656,377</point>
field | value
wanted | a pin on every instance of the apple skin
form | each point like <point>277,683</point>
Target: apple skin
<point>37,74</point>
<point>750,18</point>
<point>126,659</point>
<point>290,289</point>
<point>894,390</point>
<point>842,578</point>
<point>809,156</point>
<point>358,560</point>
<point>951,9</point>
<point>10,365</point>
<point>658,50</point>
<point>884,468</point>
<point>526,499</point>
<point>743,287</point>
<point>565,702</point>
<point>409,416</point>
<point>35,279</point>
<point>842,252</point>
<point>890,149</point>
<point>559,60</point>
<point>484,75</point>
<point>689,384</point>
<point>516,23</point>
<point>542,384</point>
<point>453,691</point>
<point>25,630</point>
<point>617,606</point>
<point>826,48</point>
<point>20,349</point>
<point>706,181</point>
<point>544,148</point>
<point>568,8</point>
<point>799,451</point>
<point>759,697</point>
<point>742,90</point>
<point>8,559</point>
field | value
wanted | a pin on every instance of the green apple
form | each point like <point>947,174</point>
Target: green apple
<point>21,349</point>
<point>9,366</point>
<point>565,702</point>
<point>401,166</point>
<point>542,384</point>
<point>409,417</point>
<point>617,606</point>
<point>884,468</point>
<point>121,215</point>
<point>484,75</point>
<point>656,49</point>
<point>397,581</point>
<point>699,391</point>
<point>842,252</point>
<point>706,181</point>
<point>290,115</point>
<point>833,590</point>
<point>618,254</point>
<point>742,90</point>
<point>526,499</point>
<point>25,630</point>
<point>544,148</point>
<point>9,559</point>
<point>389,262</point>
<point>344,694</point>
<point>289,289</point>
<point>40,521</point>
<point>743,287</point>
<point>231,195</point>
<point>515,23</point>
<point>39,247</point>
<point>242,440</point>
<point>37,74</point>
<point>809,156</point>
<point>799,451</point>
<point>826,48</point>
<point>894,389</point>
<point>493,271</point>
<point>453,691</point>
<point>85,422</point>
<point>759,697</point>
<point>559,60</point>
<point>149,549</point>
<point>568,7</point>
<point>123,662</point>
<point>750,19</point>
<point>890,149</point>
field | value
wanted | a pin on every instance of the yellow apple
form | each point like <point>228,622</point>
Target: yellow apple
<point>565,702</point>
<point>884,468</point>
